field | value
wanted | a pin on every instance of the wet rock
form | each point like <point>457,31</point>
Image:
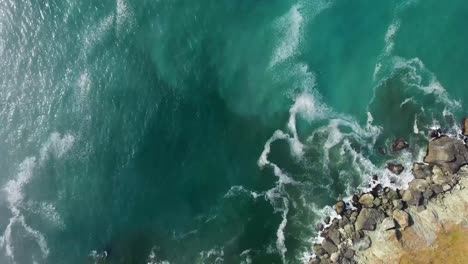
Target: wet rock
<point>340,207</point>
<point>395,168</point>
<point>421,170</point>
<point>314,260</point>
<point>367,200</point>
<point>328,246</point>
<point>402,218</point>
<point>319,251</point>
<point>388,223</point>
<point>362,244</point>
<point>419,185</point>
<point>368,218</point>
<point>448,153</point>
<point>399,144</point>
<point>327,220</point>
<point>319,227</point>
<point>435,133</point>
<point>465,127</point>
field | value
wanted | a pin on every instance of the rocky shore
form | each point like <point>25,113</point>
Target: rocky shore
<point>383,225</point>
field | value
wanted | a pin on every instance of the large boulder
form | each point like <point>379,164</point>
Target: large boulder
<point>368,218</point>
<point>412,197</point>
<point>328,246</point>
<point>367,200</point>
<point>362,244</point>
<point>340,207</point>
<point>422,171</point>
<point>419,185</point>
<point>402,218</point>
<point>448,153</point>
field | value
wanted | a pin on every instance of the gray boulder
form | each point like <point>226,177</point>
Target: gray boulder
<point>340,207</point>
<point>421,170</point>
<point>367,200</point>
<point>362,244</point>
<point>448,153</point>
<point>368,218</point>
<point>402,218</point>
<point>328,246</point>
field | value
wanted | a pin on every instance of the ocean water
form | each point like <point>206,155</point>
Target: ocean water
<point>176,131</point>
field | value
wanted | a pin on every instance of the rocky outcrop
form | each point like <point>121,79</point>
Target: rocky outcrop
<point>395,217</point>
<point>448,153</point>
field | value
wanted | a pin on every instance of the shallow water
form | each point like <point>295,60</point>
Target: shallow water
<point>214,131</point>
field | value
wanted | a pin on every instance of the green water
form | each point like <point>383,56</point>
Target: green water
<point>210,131</point>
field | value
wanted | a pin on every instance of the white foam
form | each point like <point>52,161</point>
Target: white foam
<point>57,146</point>
<point>216,253</point>
<point>280,241</point>
<point>289,27</point>
<point>390,36</point>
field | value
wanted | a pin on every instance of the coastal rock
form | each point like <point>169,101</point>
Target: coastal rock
<point>388,223</point>
<point>349,230</point>
<point>399,144</point>
<point>314,261</point>
<point>397,204</point>
<point>367,200</point>
<point>392,195</point>
<point>412,197</point>
<point>362,244</point>
<point>402,218</point>
<point>328,246</point>
<point>319,227</point>
<point>439,177</point>
<point>395,168</point>
<point>349,253</point>
<point>448,153</point>
<point>419,185</point>
<point>421,170</point>
<point>465,127</point>
<point>437,188</point>
<point>368,218</point>
<point>340,207</point>
<point>335,257</point>
<point>319,251</point>
<point>335,236</point>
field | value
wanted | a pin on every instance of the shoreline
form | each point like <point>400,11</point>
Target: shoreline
<point>383,225</point>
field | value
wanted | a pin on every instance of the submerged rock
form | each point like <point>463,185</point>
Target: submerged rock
<point>395,168</point>
<point>399,144</point>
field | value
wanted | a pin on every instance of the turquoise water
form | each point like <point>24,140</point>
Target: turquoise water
<point>210,131</point>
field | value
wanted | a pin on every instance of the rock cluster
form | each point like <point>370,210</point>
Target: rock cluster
<point>389,208</point>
